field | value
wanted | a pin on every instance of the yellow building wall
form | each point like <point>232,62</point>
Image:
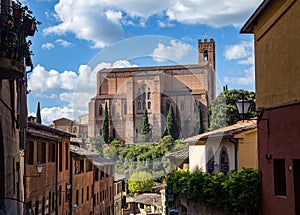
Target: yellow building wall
<point>247,151</point>
<point>277,46</point>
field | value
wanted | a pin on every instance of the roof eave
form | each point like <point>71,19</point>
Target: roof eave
<point>249,25</point>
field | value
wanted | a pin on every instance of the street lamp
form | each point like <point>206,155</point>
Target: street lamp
<point>39,168</point>
<point>243,107</point>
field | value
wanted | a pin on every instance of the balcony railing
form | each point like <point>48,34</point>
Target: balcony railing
<point>14,49</point>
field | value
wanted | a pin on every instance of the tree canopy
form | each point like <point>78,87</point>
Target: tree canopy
<point>146,127</point>
<point>171,125</point>
<point>223,111</point>
<point>105,125</point>
<point>140,182</point>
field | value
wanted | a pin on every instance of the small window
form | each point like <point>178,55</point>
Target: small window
<point>205,55</point>
<point>125,109</point>
<point>144,96</point>
<point>41,153</point>
<point>167,105</point>
<point>224,161</point>
<point>29,152</point>
<point>139,97</point>
<point>279,177</point>
<point>210,165</point>
<point>149,105</point>
<point>149,95</point>
<point>139,106</point>
<point>51,152</point>
<point>113,110</point>
<point>144,86</point>
<point>100,110</point>
<point>144,105</point>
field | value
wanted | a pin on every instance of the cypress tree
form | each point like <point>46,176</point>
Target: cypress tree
<point>199,119</point>
<point>105,126</point>
<point>145,126</point>
<point>38,118</point>
<point>171,126</point>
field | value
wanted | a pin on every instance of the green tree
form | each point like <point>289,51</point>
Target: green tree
<point>38,118</point>
<point>146,127</point>
<point>105,125</point>
<point>223,111</point>
<point>97,144</point>
<point>171,125</point>
<point>200,120</point>
<point>140,182</point>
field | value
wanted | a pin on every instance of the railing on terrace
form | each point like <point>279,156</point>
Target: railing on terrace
<point>14,49</point>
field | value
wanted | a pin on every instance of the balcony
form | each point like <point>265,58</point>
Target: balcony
<point>15,26</point>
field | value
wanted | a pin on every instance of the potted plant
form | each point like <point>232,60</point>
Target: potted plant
<point>29,23</point>
<point>18,10</point>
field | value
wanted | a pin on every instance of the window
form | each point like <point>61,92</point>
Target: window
<point>149,105</point>
<point>36,207</point>
<point>100,110</point>
<point>29,152</point>
<point>139,97</point>
<point>139,105</point>
<point>210,165</point>
<point>144,105</point>
<point>82,192</point>
<point>77,197</point>
<point>279,177</point>
<point>60,156</point>
<point>144,96</point>
<point>144,86</point>
<point>51,152</point>
<point>89,166</point>
<point>224,161</point>
<point>67,155</point>
<point>88,193</point>
<point>205,55</point>
<point>149,95</point>
<point>96,176</point>
<point>113,110</point>
<point>125,108</point>
<point>167,106</point>
<point>81,166</point>
<point>41,153</point>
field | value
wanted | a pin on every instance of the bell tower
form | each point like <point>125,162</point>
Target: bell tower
<point>206,52</point>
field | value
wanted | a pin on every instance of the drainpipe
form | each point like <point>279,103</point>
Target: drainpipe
<point>235,143</point>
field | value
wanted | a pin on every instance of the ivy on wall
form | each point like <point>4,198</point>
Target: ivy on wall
<point>234,191</point>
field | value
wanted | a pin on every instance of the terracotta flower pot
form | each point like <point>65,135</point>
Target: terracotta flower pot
<point>18,13</point>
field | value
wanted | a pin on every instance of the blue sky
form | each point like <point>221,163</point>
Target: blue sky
<point>79,37</point>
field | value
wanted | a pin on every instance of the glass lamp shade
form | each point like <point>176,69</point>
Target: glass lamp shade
<point>243,106</point>
<point>68,186</point>
<point>40,168</point>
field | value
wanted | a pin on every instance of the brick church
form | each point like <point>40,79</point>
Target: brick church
<point>128,91</point>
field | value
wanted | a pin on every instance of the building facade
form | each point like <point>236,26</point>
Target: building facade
<point>276,39</point>
<point>45,188</point>
<point>129,91</point>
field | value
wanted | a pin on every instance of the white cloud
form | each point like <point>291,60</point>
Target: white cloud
<point>238,51</point>
<point>176,51</point>
<point>48,46</point>
<point>63,43</point>
<point>101,22</point>
<point>244,53</point>
<point>114,16</point>
<point>246,80</point>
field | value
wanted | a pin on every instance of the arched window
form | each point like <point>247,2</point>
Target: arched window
<point>224,160</point>
<point>139,106</point>
<point>149,95</point>
<point>210,165</point>
<point>144,86</point>
<point>144,105</point>
<point>144,96</point>
<point>113,110</point>
<point>167,105</point>
<point>139,97</point>
<point>125,108</point>
<point>149,105</point>
<point>100,110</point>
<point>205,55</point>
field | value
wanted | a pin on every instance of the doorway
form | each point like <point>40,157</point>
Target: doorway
<point>296,170</point>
